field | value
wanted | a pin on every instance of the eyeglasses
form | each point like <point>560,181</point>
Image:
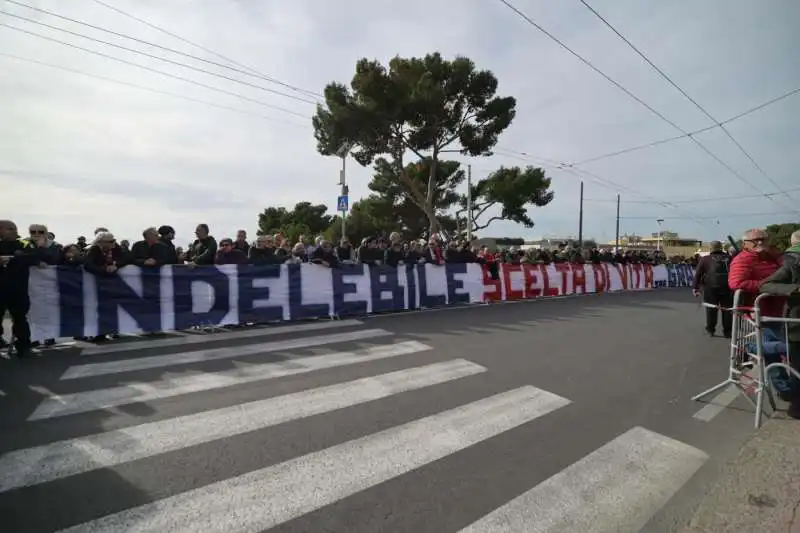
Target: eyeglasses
<point>37,232</point>
<point>758,240</point>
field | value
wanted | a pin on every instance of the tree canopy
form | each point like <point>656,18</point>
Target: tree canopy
<point>304,219</point>
<point>514,190</point>
<point>780,234</point>
<point>423,106</point>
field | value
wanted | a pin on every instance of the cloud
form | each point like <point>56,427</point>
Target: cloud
<point>77,152</point>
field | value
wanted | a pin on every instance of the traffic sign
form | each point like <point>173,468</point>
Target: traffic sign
<point>342,204</point>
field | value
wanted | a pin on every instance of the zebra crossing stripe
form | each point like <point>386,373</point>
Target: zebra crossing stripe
<point>184,339</point>
<point>617,488</point>
<point>188,382</point>
<point>270,496</point>
<point>61,459</point>
<point>226,352</point>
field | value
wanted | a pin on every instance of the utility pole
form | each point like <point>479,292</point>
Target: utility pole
<point>580,221</point>
<point>617,239</point>
<point>469,203</point>
<point>342,152</point>
<point>345,191</point>
<point>658,240</point>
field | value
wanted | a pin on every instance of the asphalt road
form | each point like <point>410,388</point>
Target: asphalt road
<point>567,415</point>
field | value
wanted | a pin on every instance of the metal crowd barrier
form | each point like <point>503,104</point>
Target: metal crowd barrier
<point>744,369</point>
<point>764,322</point>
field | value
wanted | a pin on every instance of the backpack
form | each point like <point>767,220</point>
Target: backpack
<point>717,275</point>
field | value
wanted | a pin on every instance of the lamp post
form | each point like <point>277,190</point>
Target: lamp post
<point>658,239</point>
<point>343,151</point>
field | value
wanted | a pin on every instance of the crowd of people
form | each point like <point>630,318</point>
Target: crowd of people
<point>104,254</point>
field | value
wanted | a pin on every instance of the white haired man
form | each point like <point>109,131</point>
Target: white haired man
<point>786,282</point>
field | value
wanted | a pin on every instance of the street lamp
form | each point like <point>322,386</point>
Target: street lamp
<point>658,239</point>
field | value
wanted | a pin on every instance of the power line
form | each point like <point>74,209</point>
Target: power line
<point>696,132</point>
<point>619,86</point>
<point>150,89</point>
<point>247,72</point>
<point>159,58</point>
<point>694,200</point>
<point>156,71</point>
<point>604,182</point>
<point>720,217</point>
<point>687,96</point>
<point>203,48</point>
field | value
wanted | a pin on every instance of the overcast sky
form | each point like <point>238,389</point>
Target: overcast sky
<point>78,152</point>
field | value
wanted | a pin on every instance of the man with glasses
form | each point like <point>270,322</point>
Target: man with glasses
<point>756,262</point>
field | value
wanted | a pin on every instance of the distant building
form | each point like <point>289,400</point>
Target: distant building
<point>670,243</point>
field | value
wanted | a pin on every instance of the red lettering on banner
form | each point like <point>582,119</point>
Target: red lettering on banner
<point>496,292</point>
<point>600,278</point>
<point>648,276</point>
<point>511,294</point>
<point>579,279</point>
<point>537,281</point>
<point>637,277</point>
<point>622,270</point>
<point>564,269</point>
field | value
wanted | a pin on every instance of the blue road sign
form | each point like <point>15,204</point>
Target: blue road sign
<point>341,203</point>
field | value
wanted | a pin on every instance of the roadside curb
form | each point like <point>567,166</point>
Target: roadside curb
<point>758,490</point>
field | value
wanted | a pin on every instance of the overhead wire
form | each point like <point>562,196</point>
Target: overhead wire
<point>199,46</point>
<point>151,90</point>
<point>622,88</point>
<point>687,96</point>
<point>718,217</point>
<point>653,144</point>
<point>163,59</point>
<point>604,182</point>
<point>694,200</point>
<point>156,71</point>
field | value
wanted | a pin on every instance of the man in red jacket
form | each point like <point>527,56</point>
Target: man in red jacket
<point>756,262</point>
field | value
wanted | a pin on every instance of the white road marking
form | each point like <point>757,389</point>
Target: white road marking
<point>188,382</point>
<point>720,402</point>
<point>225,352</point>
<point>615,489</point>
<point>270,496</point>
<point>31,466</point>
<point>184,339</point>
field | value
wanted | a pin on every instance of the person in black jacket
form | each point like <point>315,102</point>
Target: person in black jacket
<point>105,256</point>
<point>167,236</point>
<point>203,251</point>
<point>324,255</point>
<point>264,252</point>
<point>17,256</point>
<point>151,251</point>
<point>711,278</point>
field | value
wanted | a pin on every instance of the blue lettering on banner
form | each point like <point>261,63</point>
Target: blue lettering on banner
<point>149,299</point>
<point>385,280</point>
<point>114,293</point>
<point>680,275</point>
<point>70,300</point>
<point>345,282</point>
<point>299,310</point>
<point>183,278</point>
<point>254,302</point>
<point>411,285</point>
<point>425,299</point>
<point>455,284</point>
